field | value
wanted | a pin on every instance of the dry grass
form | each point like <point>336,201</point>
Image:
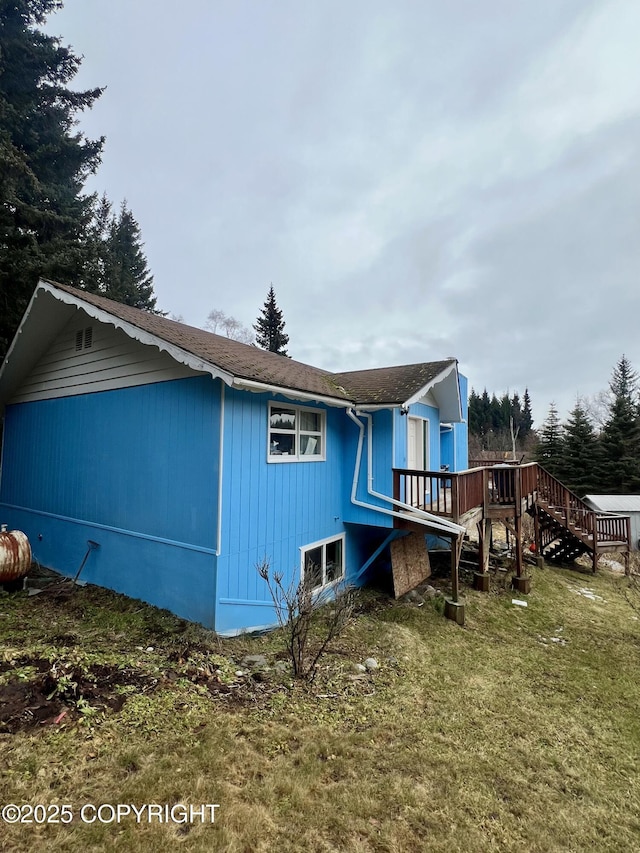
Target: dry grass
<point>491,737</point>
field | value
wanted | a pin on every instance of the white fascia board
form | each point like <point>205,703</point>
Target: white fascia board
<point>177,353</point>
<point>430,386</point>
<point>291,393</point>
<point>16,337</point>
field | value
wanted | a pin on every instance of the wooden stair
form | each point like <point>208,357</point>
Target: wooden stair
<point>567,528</point>
<point>560,543</point>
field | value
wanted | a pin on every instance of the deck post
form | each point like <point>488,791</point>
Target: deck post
<point>396,484</point>
<point>453,608</point>
<point>537,532</point>
<point>595,543</point>
<point>520,583</point>
<point>481,577</point>
<point>454,568</point>
<point>518,543</point>
<point>455,504</point>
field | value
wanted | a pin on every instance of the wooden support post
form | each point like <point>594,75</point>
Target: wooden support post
<point>520,583</point>
<point>453,608</point>
<point>627,568</point>
<point>595,543</point>
<point>455,558</point>
<point>537,533</point>
<point>481,577</point>
<point>488,533</point>
<point>518,544</point>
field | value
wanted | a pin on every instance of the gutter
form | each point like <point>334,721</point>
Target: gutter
<point>261,387</point>
<point>419,515</point>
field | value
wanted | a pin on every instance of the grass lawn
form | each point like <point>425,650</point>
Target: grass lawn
<point>520,731</point>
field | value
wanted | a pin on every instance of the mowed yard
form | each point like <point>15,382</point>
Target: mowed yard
<point>520,731</point>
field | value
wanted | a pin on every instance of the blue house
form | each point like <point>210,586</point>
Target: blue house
<point>189,458</point>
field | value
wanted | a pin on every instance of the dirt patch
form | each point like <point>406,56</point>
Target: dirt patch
<point>37,693</point>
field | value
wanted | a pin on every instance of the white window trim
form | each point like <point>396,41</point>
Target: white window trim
<point>320,543</point>
<point>297,457</point>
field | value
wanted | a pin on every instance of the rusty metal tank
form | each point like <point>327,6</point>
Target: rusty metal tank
<point>15,555</point>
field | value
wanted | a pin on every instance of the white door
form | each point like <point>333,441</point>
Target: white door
<point>415,444</point>
<point>417,457</point>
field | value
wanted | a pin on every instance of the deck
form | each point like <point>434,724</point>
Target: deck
<point>508,491</point>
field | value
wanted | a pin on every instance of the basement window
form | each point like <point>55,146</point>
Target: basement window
<point>323,562</point>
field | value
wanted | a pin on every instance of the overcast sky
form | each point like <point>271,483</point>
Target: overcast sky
<point>417,179</point>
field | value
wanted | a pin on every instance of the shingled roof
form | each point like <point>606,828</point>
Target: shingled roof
<point>243,362</point>
<point>394,385</point>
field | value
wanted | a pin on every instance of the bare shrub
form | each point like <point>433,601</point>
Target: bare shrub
<point>308,624</point>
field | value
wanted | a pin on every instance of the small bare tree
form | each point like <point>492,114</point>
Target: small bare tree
<point>514,434</point>
<point>298,611</point>
<point>220,323</point>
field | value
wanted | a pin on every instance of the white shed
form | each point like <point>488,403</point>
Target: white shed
<point>619,505</point>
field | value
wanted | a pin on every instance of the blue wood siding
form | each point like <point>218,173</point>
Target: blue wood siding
<point>270,510</point>
<point>134,469</point>
<point>382,468</point>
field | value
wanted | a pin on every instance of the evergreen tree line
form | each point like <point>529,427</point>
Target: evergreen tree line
<point>49,227</point>
<point>593,460</point>
<point>495,423</point>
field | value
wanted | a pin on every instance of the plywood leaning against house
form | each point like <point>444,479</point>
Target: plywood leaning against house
<point>409,562</point>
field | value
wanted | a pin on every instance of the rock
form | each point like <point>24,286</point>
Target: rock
<point>359,667</point>
<point>282,666</point>
<point>371,664</point>
<point>430,591</point>
<point>254,662</point>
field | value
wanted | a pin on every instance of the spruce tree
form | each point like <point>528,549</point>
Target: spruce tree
<point>126,275</point>
<point>620,439</point>
<point>580,459</point>
<point>550,443</point>
<point>269,327</point>
<point>475,418</point>
<point>485,413</point>
<point>96,239</point>
<point>526,423</point>
<point>44,160</point>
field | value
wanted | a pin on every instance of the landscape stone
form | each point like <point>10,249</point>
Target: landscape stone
<point>254,661</point>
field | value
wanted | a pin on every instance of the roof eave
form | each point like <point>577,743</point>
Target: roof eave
<point>454,415</point>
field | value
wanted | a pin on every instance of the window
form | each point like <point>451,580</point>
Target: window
<point>323,562</point>
<point>295,434</point>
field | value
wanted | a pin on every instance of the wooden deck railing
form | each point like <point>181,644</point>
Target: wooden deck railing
<point>613,528</point>
<point>454,494</point>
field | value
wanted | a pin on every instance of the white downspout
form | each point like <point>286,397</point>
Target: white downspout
<point>220,464</point>
<point>433,520</point>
